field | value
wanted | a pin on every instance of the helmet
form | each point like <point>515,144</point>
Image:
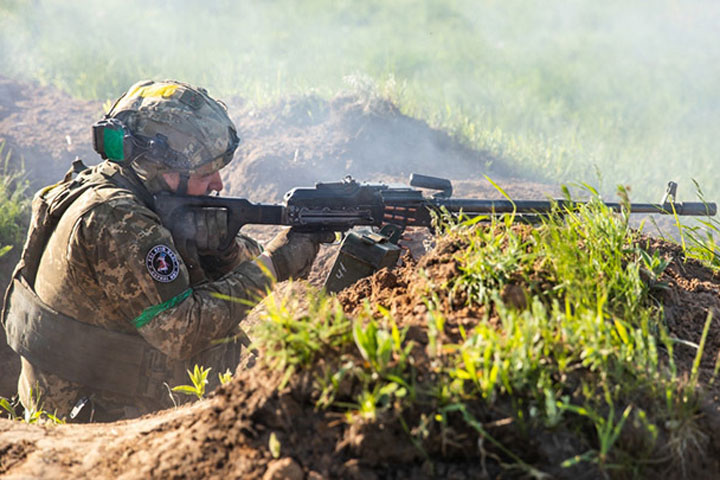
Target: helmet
<point>167,126</point>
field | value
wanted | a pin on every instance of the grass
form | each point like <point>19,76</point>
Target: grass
<point>34,415</point>
<point>198,377</point>
<point>584,352</point>
<point>199,380</point>
<point>559,91</point>
<point>14,204</point>
<point>698,239</point>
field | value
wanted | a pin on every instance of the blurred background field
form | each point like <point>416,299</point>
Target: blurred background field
<point>567,91</point>
<point>603,93</point>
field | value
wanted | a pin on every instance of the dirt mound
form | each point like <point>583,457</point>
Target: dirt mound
<point>255,428</point>
<point>45,129</point>
<point>325,141</point>
<point>689,294</point>
<point>295,142</point>
<point>305,140</point>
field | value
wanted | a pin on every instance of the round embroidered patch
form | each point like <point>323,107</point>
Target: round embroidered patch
<point>162,263</point>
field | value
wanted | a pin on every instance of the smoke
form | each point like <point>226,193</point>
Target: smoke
<point>561,89</point>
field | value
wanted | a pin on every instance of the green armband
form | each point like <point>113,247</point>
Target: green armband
<point>150,312</point>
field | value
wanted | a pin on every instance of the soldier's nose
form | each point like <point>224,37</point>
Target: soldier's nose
<point>216,183</point>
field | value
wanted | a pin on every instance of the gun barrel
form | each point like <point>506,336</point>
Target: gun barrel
<point>539,206</point>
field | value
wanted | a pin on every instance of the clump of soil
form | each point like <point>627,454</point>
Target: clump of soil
<point>305,140</point>
<point>13,453</point>
<point>689,293</point>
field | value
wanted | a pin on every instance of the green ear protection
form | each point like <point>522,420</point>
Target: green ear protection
<point>115,142</point>
<point>112,140</point>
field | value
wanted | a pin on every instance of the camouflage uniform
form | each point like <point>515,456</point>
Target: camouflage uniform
<point>108,261</point>
<point>94,270</point>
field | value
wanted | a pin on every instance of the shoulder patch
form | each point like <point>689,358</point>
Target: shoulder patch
<point>162,263</point>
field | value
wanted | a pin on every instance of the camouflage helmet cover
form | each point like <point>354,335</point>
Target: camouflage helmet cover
<point>196,127</point>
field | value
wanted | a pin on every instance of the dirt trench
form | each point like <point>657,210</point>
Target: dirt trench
<point>229,434</point>
<point>295,142</point>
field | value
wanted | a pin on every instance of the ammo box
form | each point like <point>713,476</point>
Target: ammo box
<point>362,253</point>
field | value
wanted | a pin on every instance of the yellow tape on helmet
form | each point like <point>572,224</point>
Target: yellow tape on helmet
<point>151,91</point>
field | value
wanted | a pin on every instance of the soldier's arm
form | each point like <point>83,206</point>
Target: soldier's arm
<point>247,249</point>
<point>143,276</point>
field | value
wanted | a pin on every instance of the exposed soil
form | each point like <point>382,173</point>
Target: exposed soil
<point>227,435</point>
<point>305,140</point>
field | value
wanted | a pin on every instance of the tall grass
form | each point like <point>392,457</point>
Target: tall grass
<point>560,90</point>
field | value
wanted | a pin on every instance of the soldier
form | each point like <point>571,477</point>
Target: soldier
<point>109,304</point>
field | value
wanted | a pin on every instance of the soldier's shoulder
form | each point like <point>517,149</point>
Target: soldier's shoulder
<point>114,202</point>
<point>115,195</point>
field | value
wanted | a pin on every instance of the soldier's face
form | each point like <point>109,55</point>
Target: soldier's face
<point>204,184</point>
<point>197,184</point>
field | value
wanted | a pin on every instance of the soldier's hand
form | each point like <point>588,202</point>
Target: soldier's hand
<point>242,249</point>
<point>204,230</point>
<point>293,253</point>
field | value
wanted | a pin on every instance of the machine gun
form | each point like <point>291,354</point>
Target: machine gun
<point>341,206</point>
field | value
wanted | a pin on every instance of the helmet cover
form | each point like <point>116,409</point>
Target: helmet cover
<point>186,129</point>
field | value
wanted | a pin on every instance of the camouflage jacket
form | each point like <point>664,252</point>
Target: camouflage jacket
<point>111,263</point>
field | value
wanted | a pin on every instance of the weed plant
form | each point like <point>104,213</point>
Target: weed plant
<point>298,331</point>
<point>580,352</point>
<point>199,380</point>
<point>36,414</point>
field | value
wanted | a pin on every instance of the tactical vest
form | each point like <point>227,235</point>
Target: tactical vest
<point>93,356</point>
